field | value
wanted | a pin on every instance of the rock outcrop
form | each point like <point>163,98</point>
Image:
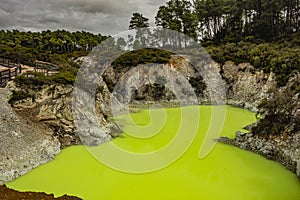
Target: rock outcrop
<point>245,85</point>
<point>24,144</point>
<point>9,194</point>
<point>284,149</point>
<point>157,82</point>
<point>50,105</point>
<point>34,130</point>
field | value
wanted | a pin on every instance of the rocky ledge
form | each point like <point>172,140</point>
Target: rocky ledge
<point>281,146</point>
<point>24,144</point>
<point>33,130</point>
<point>284,149</point>
<point>9,194</point>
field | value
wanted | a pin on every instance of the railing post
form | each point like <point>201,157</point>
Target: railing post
<point>19,69</point>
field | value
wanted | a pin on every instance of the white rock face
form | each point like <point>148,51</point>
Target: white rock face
<point>246,86</point>
<point>23,145</point>
<point>44,126</point>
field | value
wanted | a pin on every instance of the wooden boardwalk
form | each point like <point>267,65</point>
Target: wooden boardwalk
<point>45,67</point>
<point>9,74</point>
<point>8,63</point>
<point>8,71</point>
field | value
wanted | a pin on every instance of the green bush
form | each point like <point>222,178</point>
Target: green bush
<point>142,56</point>
<point>17,96</point>
<point>37,79</point>
<point>31,79</point>
<point>64,77</point>
<point>276,112</point>
<point>269,57</point>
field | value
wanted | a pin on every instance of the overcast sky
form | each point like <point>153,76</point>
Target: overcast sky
<point>98,16</point>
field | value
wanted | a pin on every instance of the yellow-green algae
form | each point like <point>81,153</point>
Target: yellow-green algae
<point>226,173</point>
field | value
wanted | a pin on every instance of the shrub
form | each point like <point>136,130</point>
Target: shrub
<point>142,56</point>
<point>17,96</point>
<point>31,79</point>
<point>269,57</point>
<point>63,77</point>
<point>276,112</point>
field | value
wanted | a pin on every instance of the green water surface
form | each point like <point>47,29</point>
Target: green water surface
<point>225,173</point>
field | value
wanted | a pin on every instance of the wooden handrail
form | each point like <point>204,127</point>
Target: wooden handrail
<point>8,74</point>
<point>45,65</point>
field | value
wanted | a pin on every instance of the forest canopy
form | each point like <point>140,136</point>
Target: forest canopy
<point>264,33</point>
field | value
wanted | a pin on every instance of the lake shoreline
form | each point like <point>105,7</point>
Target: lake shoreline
<point>7,194</point>
<point>283,149</point>
<point>49,98</point>
<point>191,176</point>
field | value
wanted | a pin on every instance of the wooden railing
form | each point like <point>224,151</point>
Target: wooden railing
<point>11,70</point>
<point>45,67</point>
<point>9,74</point>
<point>8,63</point>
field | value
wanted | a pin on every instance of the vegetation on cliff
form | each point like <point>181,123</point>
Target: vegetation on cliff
<point>142,56</point>
<point>58,47</point>
<point>26,47</point>
<point>263,33</point>
<point>280,57</point>
<point>279,113</point>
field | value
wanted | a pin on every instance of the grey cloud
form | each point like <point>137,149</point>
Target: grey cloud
<point>97,6</point>
<point>101,16</point>
<point>10,6</point>
<point>46,20</point>
<point>6,19</point>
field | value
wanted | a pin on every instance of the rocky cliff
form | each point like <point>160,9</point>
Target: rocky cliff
<point>284,147</point>
<point>47,118</point>
<point>155,82</point>
<point>245,85</point>
<point>51,106</point>
<point>34,129</point>
<point>24,144</point>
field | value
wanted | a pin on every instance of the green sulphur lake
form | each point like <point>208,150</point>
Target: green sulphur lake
<point>225,173</point>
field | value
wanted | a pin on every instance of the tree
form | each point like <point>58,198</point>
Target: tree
<point>177,15</point>
<point>121,43</point>
<point>141,25</point>
<point>138,21</point>
<point>277,112</point>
